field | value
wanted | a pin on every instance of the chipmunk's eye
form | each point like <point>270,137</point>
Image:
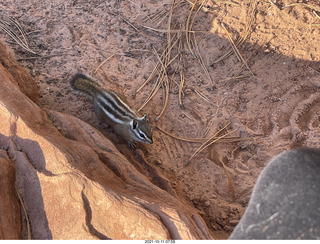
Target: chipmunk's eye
<point>141,135</point>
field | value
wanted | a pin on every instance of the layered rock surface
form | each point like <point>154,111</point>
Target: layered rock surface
<point>73,181</point>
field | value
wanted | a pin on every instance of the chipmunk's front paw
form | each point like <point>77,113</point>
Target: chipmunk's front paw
<point>132,144</point>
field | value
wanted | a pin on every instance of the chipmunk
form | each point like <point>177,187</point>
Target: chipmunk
<point>111,109</point>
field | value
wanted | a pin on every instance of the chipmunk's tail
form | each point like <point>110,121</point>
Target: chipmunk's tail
<point>83,83</point>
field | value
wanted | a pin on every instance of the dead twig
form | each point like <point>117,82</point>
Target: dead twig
<point>125,20</point>
<point>25,213</point>
<point>102,63</point>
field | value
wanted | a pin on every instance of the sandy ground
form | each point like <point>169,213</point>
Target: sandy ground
<point>269,93</point>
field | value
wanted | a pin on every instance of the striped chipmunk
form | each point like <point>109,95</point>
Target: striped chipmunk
<point>114,111</point>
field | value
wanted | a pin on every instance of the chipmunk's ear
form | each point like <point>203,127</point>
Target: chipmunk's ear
<point>134,124</point>
<point>144,118</point>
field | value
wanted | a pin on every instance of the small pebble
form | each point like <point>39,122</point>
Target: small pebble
<point>207,203</point>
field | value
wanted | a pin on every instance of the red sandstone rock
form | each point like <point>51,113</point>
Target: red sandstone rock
<point>17,74</point>
<point>75,184</point>
<point>10,218</point>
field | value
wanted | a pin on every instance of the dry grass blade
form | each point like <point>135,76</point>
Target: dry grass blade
<point>163,18</point>
<point>202,96</point>
<point>162,74</point>
<point>197,11</point>
<point>181,67</point>
<point>315,13</point>
<point>264,63</point>
<point>182,139</point>
<point>154,71</point>
<point>25,213</point>
<point>316,8</point>
<point>204,146</point>
<point>209,142</point>
<point>157,15</point>
<point>200,59</point>
<point>157,85</point>
<point>163,13</point>
<point>241,39</point>
<point>318,72</point>
<point>165,83</point>
<point>253,5</point>
<point>168,33</point>
<point>167,88</point>
<point>224,56</point>
<point>189,23</point>
<point>271,3</point>
<point>230,3</point>
<point>174,31</point>
<point>235,49</point>
<point>151,76</point>
<point>190,2</point>
<point>318,17</point>
<point>233,45</point>
<point>102,63</point>
<point>47,56</point>
<point>152,93</point>
<point>202,140</point>
<point>166,13</point>
<point>188,28</point>
<point>209,126</point>
<point>167,60</point>
<point>240,77</point>
<point>164,64</point>
<point>180,88</point>
<point>8,27</point>
<point>21,30</point>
